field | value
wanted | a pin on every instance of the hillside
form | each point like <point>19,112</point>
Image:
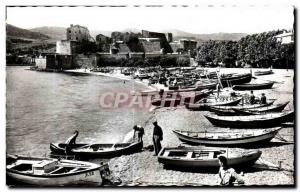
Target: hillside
<point>55,33</point>
<point>178,34</point>
<point>16,32</point>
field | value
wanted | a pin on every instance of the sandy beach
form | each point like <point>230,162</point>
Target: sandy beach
<point>143,169</point>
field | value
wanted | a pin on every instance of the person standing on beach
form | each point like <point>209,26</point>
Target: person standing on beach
<point>227,175</point>
<point>157,137</point>
<point>218,89</point>
<point>252,98</point>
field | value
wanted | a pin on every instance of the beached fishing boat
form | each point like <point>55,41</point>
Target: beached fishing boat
<point>251,121</point>
<point>54,172</point>
<point>205,158</point>
<point>235,79</point>
<point>173,100</point>
<point>228,110</point>
<point>267,72</point>
<point>246,106</point>
<point>253,86</point>
<point>198,87</point>
<point>98,150</point>
<point>227,138</point>
<point>203,105</point>
<point>261,110</point>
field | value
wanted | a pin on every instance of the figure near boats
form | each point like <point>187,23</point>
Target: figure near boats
<point>157,138</point>
<point>227,175</point>
<point>70,142</point>
<point>139,131</point>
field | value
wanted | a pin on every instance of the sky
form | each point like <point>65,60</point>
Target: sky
<point>200,20</point>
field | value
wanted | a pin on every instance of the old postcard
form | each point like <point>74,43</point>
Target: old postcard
<point>150,95</point>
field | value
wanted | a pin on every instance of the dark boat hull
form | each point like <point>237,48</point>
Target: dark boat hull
<point>236,80</point>
<point>277,108</point>
<point>255,123</point>
<point>258,73</point>
<point>253,86</point>
<point>59,148</point>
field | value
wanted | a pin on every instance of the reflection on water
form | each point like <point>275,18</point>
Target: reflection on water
<point>48,107</point>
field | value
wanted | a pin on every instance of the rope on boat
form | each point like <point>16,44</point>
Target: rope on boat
<point>279,137</point>
<point>271,166</point>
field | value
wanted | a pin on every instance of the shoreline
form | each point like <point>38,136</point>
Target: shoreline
<point>143,169</point>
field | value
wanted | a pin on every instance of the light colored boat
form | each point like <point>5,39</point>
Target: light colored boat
<point>228,139</point>
<point>54,172</point>
<point>212,102</point>
<point>205,158</point>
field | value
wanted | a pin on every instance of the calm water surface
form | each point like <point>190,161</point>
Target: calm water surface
<point>47,107</point>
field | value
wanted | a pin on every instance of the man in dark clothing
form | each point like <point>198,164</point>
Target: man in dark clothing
<point>157,137</point>
<point>252,98</point>
<point>263,99</point>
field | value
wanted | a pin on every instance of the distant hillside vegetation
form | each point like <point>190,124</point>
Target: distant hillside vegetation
<point>13,31</point>
<point>55,33</point>
<point>178,34</point>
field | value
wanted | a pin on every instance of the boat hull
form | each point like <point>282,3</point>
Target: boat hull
<point>90,178</point>
<point>236,80</point>
<point>59,148</point>
<point>259,139</point>
<point>247,159</point>
<point>253,86</point>
<point>259,73</point>
<point>205,106</point>
<point>245,122</point>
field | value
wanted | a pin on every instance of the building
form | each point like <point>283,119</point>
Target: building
<point>54,61</point>
<point>285,38</point>
<point>66,47</point>
<point>78,33</point>
<point>164,41</point>
<point>183,46</point>
<point>103,43</point>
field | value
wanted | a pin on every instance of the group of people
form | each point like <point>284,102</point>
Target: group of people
<point>263,98</point>
<point>227,175</point>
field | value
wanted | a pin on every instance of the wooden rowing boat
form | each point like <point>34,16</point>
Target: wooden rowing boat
<point>253,86</point>
<point>173,100</point>
<point>98,150</point>
<point>212,102</point>
<point>251,121</point>
<point>235,79</point>
<point>268,72</point>
<point>54,172</point>
<point>227,139</point>
<point>246,106</point>
<point>198,87</point>
<point>205,158</point>
<point>261,110</point>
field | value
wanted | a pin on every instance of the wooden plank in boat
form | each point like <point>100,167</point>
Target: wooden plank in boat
<point>166,153</point>
<point>189,155</point>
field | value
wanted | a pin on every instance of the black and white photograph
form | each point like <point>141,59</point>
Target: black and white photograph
<point>132,95</point>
